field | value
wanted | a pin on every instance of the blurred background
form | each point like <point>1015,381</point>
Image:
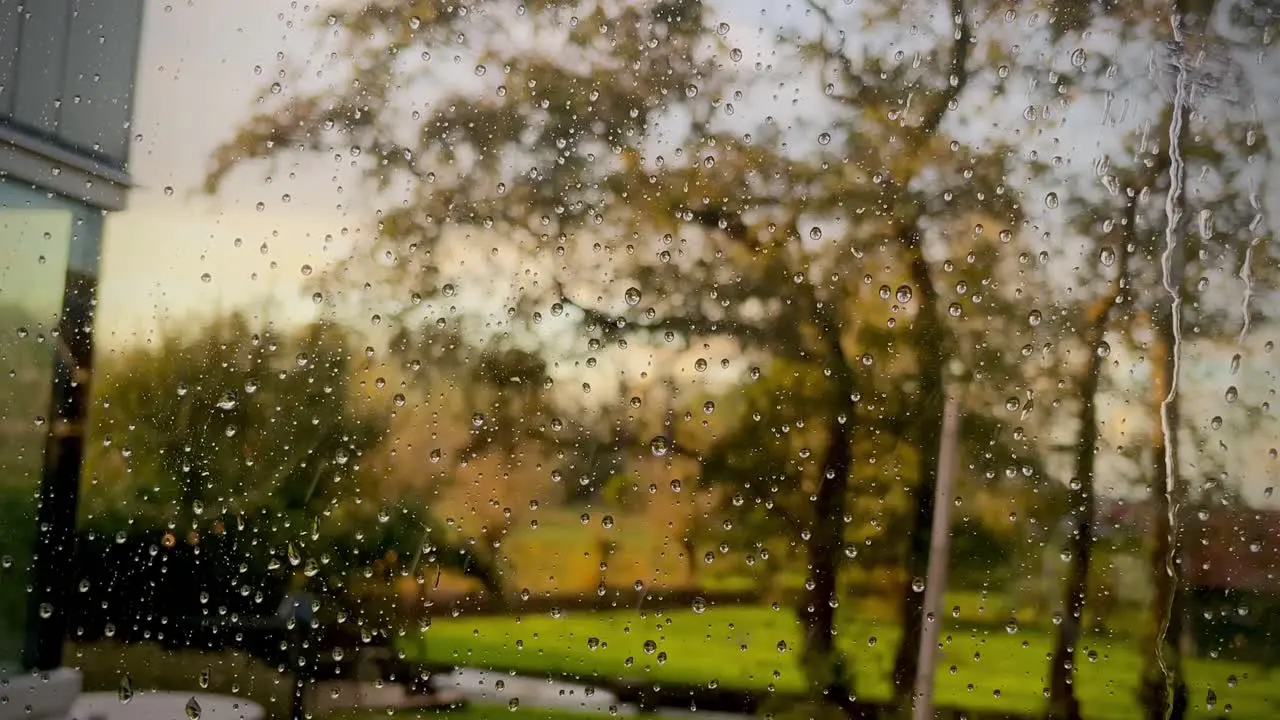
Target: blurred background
<point>596,355</point>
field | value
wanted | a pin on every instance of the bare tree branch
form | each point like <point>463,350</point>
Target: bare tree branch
<point>958,76</point>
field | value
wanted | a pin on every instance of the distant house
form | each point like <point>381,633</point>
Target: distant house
<point>1230,570</point>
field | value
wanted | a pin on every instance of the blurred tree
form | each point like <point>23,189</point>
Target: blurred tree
<point>611,148</point>
<point>262,434</point>
<point>1196,132</point>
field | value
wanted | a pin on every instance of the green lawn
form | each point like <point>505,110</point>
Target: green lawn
<point>752,647</point>
<point>469,711</point>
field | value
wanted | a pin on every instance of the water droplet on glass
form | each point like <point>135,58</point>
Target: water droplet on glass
<point>204,678</point>
<point>1034,318</point>
<point>1051,201</point>
<point>1107,256</point>
<point>448,290</point>
<point>193,709</point>
<point>824,139</point>
<point>513,704</point>
<point>632,296</point>
<point>903,294</point>
<point>699,605</point>
<point>659,446</point>
<point>125,693</point>
<point>1103,349</point>
<point>1231,395</point>
<point>917,584</point>
<point>477,420</point>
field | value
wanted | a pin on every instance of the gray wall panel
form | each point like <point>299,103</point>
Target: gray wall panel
<point>40,64</point>
<point>10,30</point>
<point>98,76</point>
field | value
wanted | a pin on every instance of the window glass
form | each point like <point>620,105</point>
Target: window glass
<point>35,238</point>
<point>892,358</point>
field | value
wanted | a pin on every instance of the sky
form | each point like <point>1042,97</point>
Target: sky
<point>176,254</point>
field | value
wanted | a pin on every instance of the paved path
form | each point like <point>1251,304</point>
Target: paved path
<point>164,706</point>
<point>503,689</point>
<point>483,686</point>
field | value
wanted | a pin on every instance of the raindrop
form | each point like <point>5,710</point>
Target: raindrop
<point>1231,395</point>
<point>903,294</point>
<point>917,584</point>
<point>1051,201</point>
<point>193,709</point>
<point>398,400</point>
<point>650,647</point>
<point>227,401</point>
<point>659,446</point>
<point>1034,318</point>
<point>514,704</point>
<point>954,309</point>
<point>1235,363</point>
<point>1107,256</point>
<point>1210,699</point>
<point>632,296</point>
<point>477,420</point>
<point>125,693</point>
<point>204,678</point>
<point>1077,57</point>
<point>699,605</point>
<point>824,139</point>
<point>449,291</point>
<point>1103,349</point>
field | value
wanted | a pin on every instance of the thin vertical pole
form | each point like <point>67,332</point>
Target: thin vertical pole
<point>939,548</point>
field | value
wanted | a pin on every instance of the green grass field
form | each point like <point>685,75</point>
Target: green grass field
<point>981,668</point>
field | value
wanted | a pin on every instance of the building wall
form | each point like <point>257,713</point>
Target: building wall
<point>66,93</point>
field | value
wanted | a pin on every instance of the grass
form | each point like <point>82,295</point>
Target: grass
<point>469,711</point>
<point>981,668</point>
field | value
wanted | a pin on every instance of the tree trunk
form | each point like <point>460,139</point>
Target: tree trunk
<point>823,662</point>
<point>1063,704</point>
<point>1164,689</point>
<point>930,406</point>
